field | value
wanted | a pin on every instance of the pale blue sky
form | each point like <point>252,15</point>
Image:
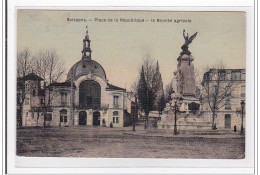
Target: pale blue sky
<point>120,47</point>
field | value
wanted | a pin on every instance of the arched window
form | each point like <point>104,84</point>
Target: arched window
<point>89,95</point>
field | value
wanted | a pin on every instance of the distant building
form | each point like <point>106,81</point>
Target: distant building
<point>229,113</point>
<point>85,98</point>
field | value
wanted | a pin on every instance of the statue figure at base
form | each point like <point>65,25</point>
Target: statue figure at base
<point>188,40</point>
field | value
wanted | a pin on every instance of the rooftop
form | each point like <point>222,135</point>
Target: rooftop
<point>31,76</point>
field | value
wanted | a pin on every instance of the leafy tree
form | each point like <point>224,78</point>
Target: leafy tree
<point>148,87</point>
<point>143,94</point>
<point>159,103</point>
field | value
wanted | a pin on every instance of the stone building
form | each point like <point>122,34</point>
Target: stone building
<point>231,85</point>
<point>85,98</point>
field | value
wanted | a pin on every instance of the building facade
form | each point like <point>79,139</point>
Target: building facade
<point>226,89</point>
<point>85,98</point>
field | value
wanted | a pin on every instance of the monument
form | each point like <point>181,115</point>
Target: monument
<point>185,115</point>
<point>184,78</point>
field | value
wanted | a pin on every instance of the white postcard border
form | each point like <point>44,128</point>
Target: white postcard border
<point>75,165</point>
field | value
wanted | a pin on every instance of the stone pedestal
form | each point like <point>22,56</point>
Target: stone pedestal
<point>185,71</point>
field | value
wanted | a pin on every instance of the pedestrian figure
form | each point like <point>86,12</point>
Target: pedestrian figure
<point>235,128</point>
<point>111,125</point>
<point>215,127</point>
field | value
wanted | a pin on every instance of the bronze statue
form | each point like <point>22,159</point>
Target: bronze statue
<point>185,46</point>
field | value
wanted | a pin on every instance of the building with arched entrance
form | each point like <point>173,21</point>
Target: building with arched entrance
<point>85,98</point>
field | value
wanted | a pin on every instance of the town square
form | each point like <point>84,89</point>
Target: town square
<point>102,88</point>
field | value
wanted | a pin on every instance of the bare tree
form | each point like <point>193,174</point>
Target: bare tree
<point>217,88</point>
<point>47,65</point>
<point>168,91</point>
<point>24,66</point>
<point>198,79</point>
<point>24,63</point>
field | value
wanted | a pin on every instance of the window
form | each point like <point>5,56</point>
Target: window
<point>242,91</point>
<point>228,104</point>
<point>65,119</point>
<point>32,114</point>
<point>26,114</point>
<point>49,117</point>
<point>63,98</point>
<point>63,116</point>
<point>229,91</point>
<point>27,87</point>
<point>116,101</point>
<point>115,119</point>
<point>222,75</point>
<point>236,75</point>
<point>26,102</point>
<point>115,113</point>
<point>33,92</point>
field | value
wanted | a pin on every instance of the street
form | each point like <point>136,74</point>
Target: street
<point>94,142</point>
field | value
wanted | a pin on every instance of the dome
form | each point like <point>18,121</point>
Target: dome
<point>84,67</point>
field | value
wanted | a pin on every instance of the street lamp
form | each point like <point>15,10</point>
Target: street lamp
<point>175,119</point>
<point>242,113</point>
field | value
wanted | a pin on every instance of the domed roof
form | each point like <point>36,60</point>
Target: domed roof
<point>84,67</point>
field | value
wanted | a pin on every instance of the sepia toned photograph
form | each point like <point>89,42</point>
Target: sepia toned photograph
<point>131,84</point>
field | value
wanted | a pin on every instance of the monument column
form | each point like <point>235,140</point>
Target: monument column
<point>186,68</point>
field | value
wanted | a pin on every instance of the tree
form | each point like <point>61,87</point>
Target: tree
<point>217,88</point>
<point>47,65</point>
<point>147,88</point>
<point>142,93</point>
<point>168,91</point>
<point>159,102</point>
<point>24,66</point>
<point>198,79</point>
<point>24,63</point>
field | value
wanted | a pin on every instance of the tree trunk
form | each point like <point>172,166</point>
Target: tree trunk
<point>44,118</point>
<point>37,117</point>
<point>133,124</point>
<point>21,116</point>
<point>146,120</point>
<point>213,121</point>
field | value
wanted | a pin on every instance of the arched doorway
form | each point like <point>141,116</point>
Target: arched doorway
<point>82,118</point>
<point>89,95</point>
<point>96,118</point>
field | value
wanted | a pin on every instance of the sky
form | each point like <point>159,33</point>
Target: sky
<point>121,46</point>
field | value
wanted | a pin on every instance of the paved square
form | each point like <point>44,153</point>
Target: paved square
<point>89,141</point>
